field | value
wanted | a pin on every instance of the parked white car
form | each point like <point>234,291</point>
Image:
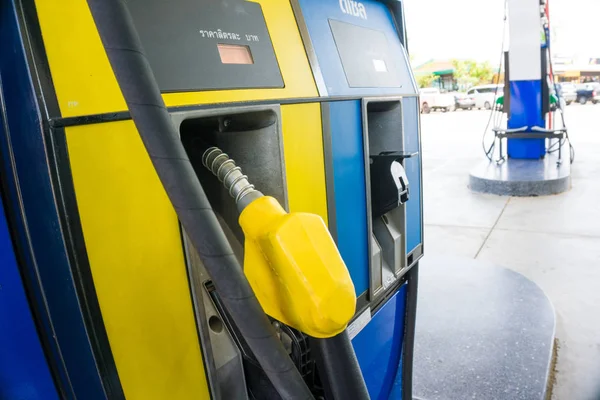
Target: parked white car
<point>433,99</point>
<point>485,95</point>
<point>567,92</point>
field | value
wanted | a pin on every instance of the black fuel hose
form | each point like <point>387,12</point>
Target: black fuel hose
<point>409,331</point>
<point>162,142</point>
<point>338,368</point>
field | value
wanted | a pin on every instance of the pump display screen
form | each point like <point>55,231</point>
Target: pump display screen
<point>365,56</point>
<point>235,54</point>
<point>206,44</point>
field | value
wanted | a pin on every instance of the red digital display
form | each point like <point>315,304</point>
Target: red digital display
<point>235,54</point>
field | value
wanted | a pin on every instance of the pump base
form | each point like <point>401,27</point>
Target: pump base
<point>483,332</point>
<point>515,177</point>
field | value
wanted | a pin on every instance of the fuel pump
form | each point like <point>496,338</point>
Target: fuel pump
<point>527,156</point>
<point>195,202</point>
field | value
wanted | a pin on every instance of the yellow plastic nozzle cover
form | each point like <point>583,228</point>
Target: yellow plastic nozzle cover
<point>295,269</point>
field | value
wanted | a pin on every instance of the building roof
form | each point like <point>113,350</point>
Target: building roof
<point>576,68</point>
<point>434,67</point>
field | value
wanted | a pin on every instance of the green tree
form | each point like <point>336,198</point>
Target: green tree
<point>469,73</point>
<point>483,72</point>
<point>425,80</point>
<point>462,73</point>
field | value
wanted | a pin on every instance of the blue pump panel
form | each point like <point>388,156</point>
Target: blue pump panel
<point>349,185</point>
<point>378,348</point>
<point>355,52</point>
<point>24,372</point>
<point>349,189</point>
<point>526,110</point>
<point>359,54</point>
<point>412,141</point>
<point>331,22</point>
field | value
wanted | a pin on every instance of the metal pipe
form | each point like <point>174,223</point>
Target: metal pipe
<point>236,183</point>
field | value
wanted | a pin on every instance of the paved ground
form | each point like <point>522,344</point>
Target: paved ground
<point>554,241</point>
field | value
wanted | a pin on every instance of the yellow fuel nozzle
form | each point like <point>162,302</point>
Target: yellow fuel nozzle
<point>290,259</point>
<point>295,269</point>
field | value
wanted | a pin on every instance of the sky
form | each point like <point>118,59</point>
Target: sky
<point>444,29</point>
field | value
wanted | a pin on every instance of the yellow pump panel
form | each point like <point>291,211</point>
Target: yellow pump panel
<point>135,252</point>
<point>304,159</point>
<point>131,232</point>
<point>85,83</point>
